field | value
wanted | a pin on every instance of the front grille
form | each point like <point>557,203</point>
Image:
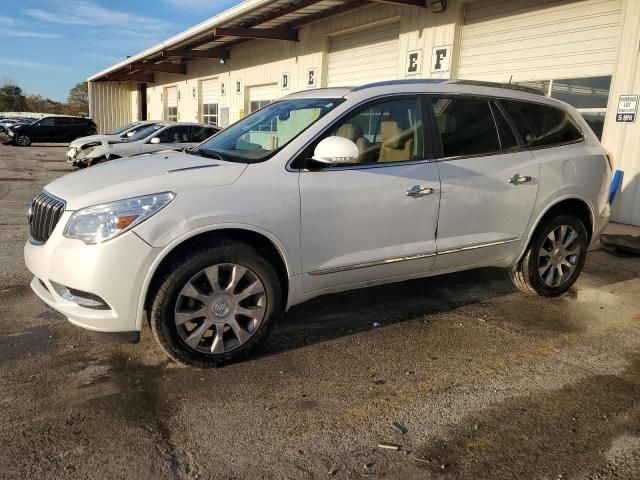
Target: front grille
<point>44,214</point>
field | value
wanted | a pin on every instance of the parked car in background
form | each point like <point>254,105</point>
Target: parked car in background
<point>52,129</point>
<point>321,191</point>
<point>119,135</point>
<point>153,138</point>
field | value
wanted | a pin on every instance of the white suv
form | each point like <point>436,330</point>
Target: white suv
<point>121,134</point>
<point>321,191</point>
<point>152,138</point>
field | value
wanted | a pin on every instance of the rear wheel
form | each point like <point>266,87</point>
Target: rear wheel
<point>554,259</point>
<point>216,306</point>
<point>22,140</point>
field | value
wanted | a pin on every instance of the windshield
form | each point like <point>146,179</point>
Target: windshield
<point>120,130</point>
<point>262,134</point>
<point>145,132</point>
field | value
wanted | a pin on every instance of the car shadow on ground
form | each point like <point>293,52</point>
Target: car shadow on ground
<point>342,314</point>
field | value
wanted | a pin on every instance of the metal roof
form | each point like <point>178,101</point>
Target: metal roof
<point>248,19</point>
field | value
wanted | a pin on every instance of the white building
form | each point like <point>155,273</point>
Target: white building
<point>585,52</point>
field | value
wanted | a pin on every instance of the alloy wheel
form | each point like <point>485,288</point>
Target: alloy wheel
<point>559,255</point>
<point>220,308</point>
<point>23,140</point>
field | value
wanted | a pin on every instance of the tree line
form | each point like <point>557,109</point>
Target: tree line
<point>13,99</point>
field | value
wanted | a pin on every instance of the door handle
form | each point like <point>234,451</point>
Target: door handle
<point>418,191</point>
<point>518,179</point>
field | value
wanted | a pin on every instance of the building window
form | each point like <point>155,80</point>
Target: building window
<point>588,95</point>
<point>172,114</point>
<point>270,126</point>
<point>210,114</point>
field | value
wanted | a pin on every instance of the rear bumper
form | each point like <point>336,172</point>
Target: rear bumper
<point>600,218</point>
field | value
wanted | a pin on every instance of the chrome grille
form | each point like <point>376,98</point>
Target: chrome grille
<point>44,214</point>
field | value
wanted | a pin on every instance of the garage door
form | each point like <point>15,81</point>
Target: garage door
<point>209,104</point>
<point>364,57</point>
<point>261,96</point>
<point>529,39</point>
<point>171,111</point>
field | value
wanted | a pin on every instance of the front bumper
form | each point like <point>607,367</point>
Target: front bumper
<point>113,270</point>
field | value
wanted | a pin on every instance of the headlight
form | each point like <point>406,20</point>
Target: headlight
<point>86,152</point>
<point>104,222</point>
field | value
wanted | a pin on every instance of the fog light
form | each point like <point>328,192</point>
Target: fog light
<point>84,299</point>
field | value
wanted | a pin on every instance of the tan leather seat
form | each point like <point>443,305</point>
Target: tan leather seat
<point>353,132</point>
<point>397,144</point>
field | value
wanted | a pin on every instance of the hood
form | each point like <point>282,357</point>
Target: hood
<point>93,139</point>
<point>142,175</point>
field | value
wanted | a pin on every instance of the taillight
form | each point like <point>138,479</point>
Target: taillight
<point>609,156</point>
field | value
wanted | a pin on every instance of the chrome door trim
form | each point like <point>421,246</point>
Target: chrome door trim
<point>374,263</point>
<point>479,245</point>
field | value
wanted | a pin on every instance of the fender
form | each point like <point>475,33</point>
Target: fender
<point>167,249</point>
<point>532,229</point>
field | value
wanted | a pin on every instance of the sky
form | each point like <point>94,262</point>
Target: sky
<point>48,46</point>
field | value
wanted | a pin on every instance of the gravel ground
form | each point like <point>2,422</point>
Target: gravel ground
<point>488,384</point>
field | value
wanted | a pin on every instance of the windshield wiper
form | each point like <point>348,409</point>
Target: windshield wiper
<point>208,154</point>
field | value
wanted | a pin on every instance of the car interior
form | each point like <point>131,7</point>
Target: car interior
<point>385,132</point>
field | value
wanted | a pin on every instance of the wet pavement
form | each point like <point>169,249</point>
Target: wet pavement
<point>489,384</point>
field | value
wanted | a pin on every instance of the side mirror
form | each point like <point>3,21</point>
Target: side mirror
<point>336,150</point>
<point>155,140</point>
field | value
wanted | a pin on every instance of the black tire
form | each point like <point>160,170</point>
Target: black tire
<point>162,315</point>
<point>526,275</point>
<point>22,140</point>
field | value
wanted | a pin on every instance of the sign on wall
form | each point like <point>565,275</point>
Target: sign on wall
<point>414,62</point>
<point>311,78</point>
<point>238,86</point>
<point>285,81</point>
<point>627,108</point>
<point>441,59</point>
<point>222,89</point>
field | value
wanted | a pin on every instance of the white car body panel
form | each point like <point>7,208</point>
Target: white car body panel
<point>479,206</point>
<point>335,230</point>
<point>77,145</point>
<point>338,246</point>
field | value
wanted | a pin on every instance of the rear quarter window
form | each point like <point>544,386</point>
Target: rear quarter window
<point>542,125</point>
<point>466,126</point>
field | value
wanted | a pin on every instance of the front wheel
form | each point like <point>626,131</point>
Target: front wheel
<point>554,259</point>
<point>22,140</point>
<point>216,306</point>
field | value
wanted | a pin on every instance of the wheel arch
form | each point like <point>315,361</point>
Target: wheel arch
<point>568,204</point>
<point>265,243</point>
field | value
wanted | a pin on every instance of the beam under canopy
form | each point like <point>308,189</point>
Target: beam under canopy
<point>410,3</point>
<point>264,33</point>
<point>208,53</point>
<point>321,15</point>
<point>160,67</point>
<point>134,77</point>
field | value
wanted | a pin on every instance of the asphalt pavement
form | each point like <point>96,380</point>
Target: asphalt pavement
<point>484,382</point>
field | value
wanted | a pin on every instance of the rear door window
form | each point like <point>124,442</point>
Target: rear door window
<point>62,122</point>
<point>541,125</point>
<point>175,135</point>
<point>200,134</point>
<point>466,126</point>
<point>508,139</point>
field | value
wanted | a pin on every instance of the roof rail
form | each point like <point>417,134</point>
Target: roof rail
<point>508,86</point>
<point>410,81</point>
